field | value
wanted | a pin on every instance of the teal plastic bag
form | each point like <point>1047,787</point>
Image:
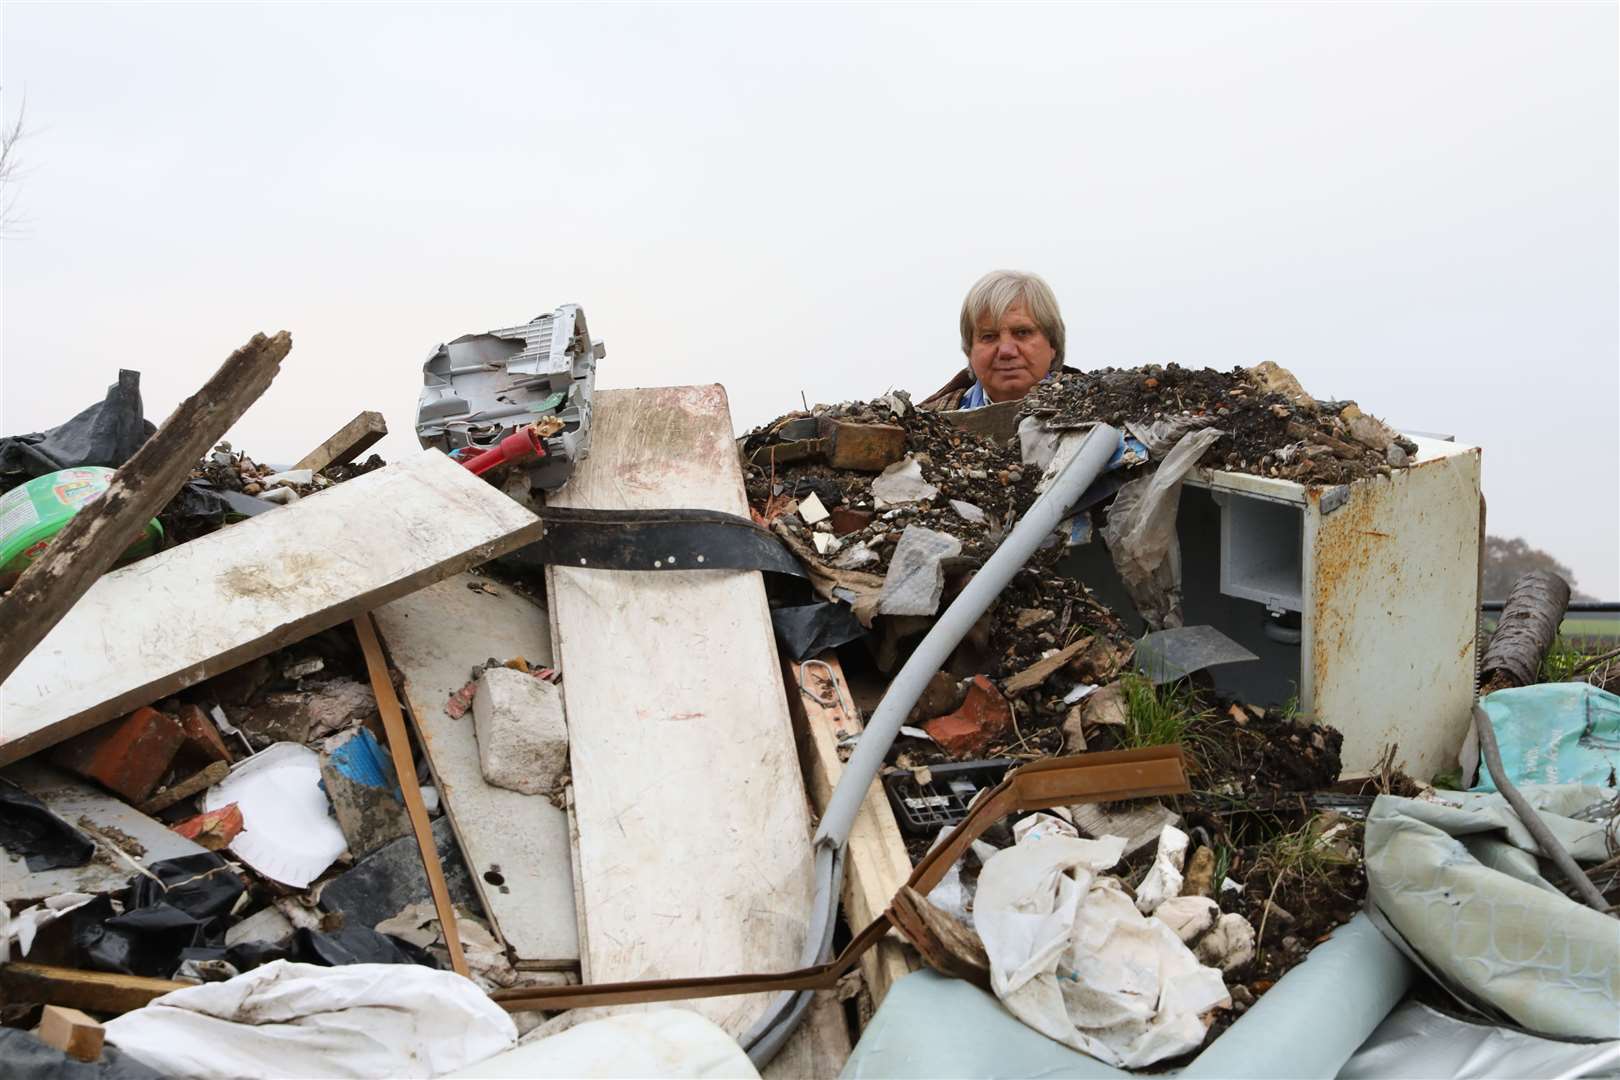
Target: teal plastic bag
<point>1555,733</point>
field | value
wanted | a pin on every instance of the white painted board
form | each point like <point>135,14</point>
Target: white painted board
<point>516,845</point>
<point>204,607</point>
<point>694,854</point>
<point>106,819</point>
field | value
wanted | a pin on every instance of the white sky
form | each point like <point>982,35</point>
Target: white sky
<point>1411,205</point>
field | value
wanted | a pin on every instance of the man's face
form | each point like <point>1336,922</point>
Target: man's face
<point>1011,356</point>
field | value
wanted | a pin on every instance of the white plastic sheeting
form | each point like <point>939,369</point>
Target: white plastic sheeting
<point>1072,957</point>
<point>658,1042</point>
<point>286,1019</point>
<point>1456,884</point>
<point>1415,1040</point>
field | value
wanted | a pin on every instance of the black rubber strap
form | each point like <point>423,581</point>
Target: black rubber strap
<point>653,540</point>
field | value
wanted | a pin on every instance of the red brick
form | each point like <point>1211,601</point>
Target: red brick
<point>128,756</point>
<point>984,716</point>
<point>203,741</point>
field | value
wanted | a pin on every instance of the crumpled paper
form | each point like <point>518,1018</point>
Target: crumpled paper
<point>1072,957</point>
<point>1141,532</point>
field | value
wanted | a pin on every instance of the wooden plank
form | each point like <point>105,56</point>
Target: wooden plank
<point>113,824</point>
<point>821,1046</point>
<point>205,607</point>
<point>694,849</point>
<point>876,865</point>
<point>95,991</point>
<point>350,441</point>
<point>101,531</point>
<point>435,637</point>
<point>72,1032</point>
<point>399,746</point>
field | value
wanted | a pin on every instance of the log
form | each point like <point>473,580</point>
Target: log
<point>97,535</point>
<point>95,991</point>
<point>1530,618</point>
<point>351,440</point>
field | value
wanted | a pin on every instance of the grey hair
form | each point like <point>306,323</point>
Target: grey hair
<point>999,290</point>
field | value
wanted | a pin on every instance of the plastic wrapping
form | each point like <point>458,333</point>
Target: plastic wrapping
<point>29,830</point>
<point>285,1019</point>
<point>1456,885</point>
<point>658,1042</point>
<point>1554,733</point>
<point>107,433</point>
<point>811,629</point>
<point>1141,532</point>
<point>1416,1040</point>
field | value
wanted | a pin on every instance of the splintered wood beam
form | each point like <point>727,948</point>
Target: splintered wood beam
<point>96,991</point>
<point>97,535</point>
<point>351,440</point>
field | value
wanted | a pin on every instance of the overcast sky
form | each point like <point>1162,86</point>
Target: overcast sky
<point>1414,206</point>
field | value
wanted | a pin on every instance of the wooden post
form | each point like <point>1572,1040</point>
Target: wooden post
<point>98,534</point>
<point>875,862</point>
<point>351,440</point>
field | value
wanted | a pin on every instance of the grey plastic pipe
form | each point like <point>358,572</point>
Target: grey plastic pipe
<point>771,1031</point>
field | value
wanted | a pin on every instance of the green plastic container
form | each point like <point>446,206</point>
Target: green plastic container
<point>33,513</point>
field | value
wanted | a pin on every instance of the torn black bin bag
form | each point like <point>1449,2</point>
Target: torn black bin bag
<point>107,433</point>
<point>355,945</point>
<point>812,629</point>
<point>160,920</point>
<point>30,831</point>
<point>199,508</point>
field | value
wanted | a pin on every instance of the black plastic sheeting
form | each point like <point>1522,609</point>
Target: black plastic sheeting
<point>30,831</point>
<point>812,629</point>
<point>183,916</point>
<point>107,433</point>
<point>159,920</point>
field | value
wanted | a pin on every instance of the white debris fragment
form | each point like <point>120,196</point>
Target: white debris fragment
<point>1229,945</point>
<point>901,483</point>
<point>968,512</point>
<point>1188,916</point>
<point>1164,877</point>
<point>811,509</point>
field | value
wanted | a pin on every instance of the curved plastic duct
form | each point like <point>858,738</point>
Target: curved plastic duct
<point>771,1031</point>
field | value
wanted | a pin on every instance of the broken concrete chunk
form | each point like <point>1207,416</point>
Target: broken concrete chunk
<point>1106,706</point>
<point>1229,945</point>
<point>1163,879</point>
<point>916,578</point>
<point>522,736</point>
<point>1189,916</point>
<point>361,786</point>
<point>984,716</point>
<point>1273,378</point>
<point>128,756</point>
<point>901,483</point>
<point>942,694</point>
<point>968,512</point>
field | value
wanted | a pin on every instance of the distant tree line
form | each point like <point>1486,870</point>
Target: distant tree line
<point>1506,558</point>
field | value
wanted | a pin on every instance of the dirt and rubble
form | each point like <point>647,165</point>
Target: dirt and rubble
<point>1270,426</point>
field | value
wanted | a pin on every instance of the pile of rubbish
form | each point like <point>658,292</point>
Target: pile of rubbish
<point>226,853</point>
<point>1270,426</point>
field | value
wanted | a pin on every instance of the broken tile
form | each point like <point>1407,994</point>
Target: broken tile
<point>984,716</point>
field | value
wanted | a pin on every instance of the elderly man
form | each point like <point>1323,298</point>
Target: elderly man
<point>1012,335</point>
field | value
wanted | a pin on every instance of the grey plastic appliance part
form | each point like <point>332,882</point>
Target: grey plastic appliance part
<point>480,388</point>
<point>1262,551</point>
